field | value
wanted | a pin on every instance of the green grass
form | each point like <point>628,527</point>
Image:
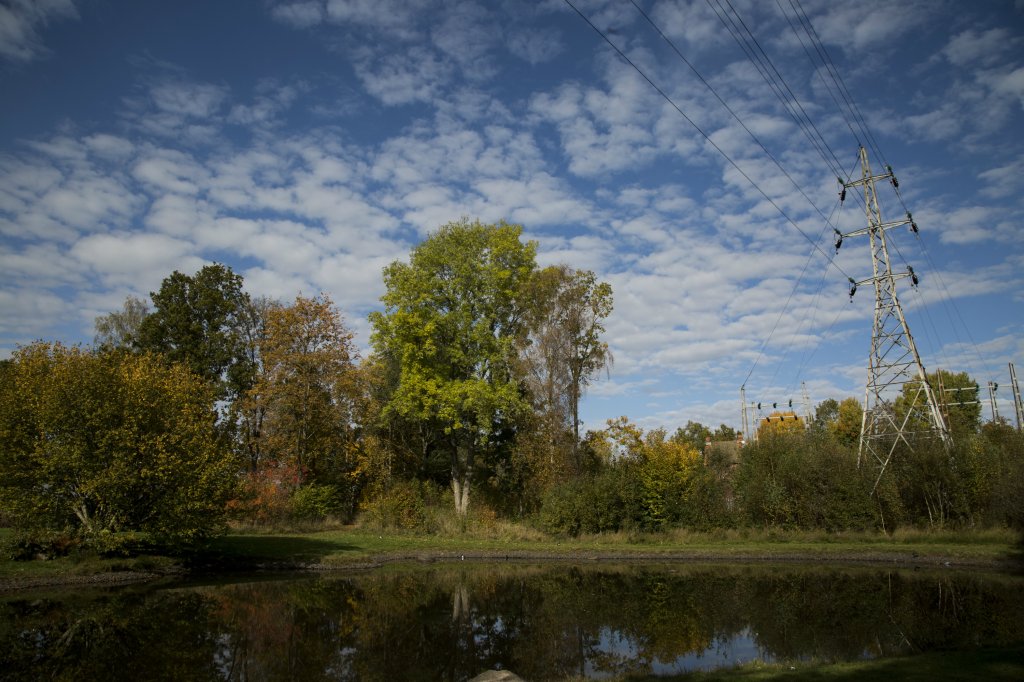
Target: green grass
<point>359,545</point>
<point>985,664</point>
<point>338,547</point>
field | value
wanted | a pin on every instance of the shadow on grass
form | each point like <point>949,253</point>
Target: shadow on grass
<point>241,552</point>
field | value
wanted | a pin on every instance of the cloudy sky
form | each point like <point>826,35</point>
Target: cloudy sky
<point>309,143</point>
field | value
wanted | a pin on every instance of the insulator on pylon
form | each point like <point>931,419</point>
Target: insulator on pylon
<point>839,240</point>
<point>892,178</point>
<point>853,287</point>
<point>913,225</point>
<point>842,195</point>
<point>913,276</point>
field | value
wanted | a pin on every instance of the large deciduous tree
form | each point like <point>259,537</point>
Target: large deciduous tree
<point>196,321</point>
<point>565,351</point>
<point>453,322</point>
<point>307,389</point>
<point>109,441</point>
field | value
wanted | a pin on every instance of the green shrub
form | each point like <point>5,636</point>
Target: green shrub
<point>403,506</point>
<point>316,502</point>
<point>804,481</point>
<point>607,501</point>
<point>125,544</point>
<point>40,544</point>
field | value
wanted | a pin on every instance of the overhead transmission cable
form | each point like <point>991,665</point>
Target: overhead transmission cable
<point>745,38</point>
<point>810,58</point>
<point>707,138</point>
<point>833,72</point>
<point>732,112</point>
<point>806,322</point>
<point>838,205</point>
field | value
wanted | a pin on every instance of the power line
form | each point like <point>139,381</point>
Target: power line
<point>837,78</point>
<point>706,137</point>
<point>732,112</point>
<point>861,122</point>
<point>811,59</point>
<point>757,56</point>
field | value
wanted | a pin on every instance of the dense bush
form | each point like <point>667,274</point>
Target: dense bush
<point>110,442</point>
<point>804,480</point>
<point>403,505</point>
<point>40,544</point>
<point>607,501</point>
<point>316,502</point>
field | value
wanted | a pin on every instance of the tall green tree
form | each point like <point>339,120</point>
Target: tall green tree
<point>453,323</point>
<point>694,433</point>
<point>248,412</point>
<point>958,399</point>
<point>196,321</point>
<point>825,414</point>
<point>110,441</point>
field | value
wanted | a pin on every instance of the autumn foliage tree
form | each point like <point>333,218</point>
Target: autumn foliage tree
<point>306,393</point>
<point>780,422</point>
<point>94,443</point>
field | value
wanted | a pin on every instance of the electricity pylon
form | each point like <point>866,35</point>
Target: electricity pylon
<point>894,360</point>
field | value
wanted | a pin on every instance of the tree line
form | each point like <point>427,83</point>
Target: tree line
<point>205,404</point>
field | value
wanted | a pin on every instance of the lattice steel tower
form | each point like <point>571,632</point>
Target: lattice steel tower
<point>894,361</point>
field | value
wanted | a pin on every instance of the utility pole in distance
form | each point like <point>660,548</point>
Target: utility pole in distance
<point>1018,404</point>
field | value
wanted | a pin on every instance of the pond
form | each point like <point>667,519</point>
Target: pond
<point>452,621</point>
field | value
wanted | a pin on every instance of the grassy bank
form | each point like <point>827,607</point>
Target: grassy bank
<point>360,546</point>
<point>352,546</point>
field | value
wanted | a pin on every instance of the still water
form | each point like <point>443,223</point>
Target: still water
<point>544,622</point>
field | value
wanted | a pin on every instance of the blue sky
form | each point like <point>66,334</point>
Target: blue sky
<point>308,144</point>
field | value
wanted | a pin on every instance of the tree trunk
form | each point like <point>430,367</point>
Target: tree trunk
<point>462,466</point>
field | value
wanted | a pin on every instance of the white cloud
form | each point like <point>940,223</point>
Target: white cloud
<point>846,26</point>
<point>28,310</point>
<point>132,257</point>
<point>535,46</point>
<point>403,77</point>
<point>188,100</point>
<point>466,34</point>
<point>169,171</point>
<point>20,22</point>
<point>602,130</point>
<point>300,14</point>
<point>982,47</point>
<point>1004,181</point>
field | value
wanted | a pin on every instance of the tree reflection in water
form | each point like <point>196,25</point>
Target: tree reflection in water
<point>543,622</point>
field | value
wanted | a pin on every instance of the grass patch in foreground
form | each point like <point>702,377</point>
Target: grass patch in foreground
<point>945,666</point>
